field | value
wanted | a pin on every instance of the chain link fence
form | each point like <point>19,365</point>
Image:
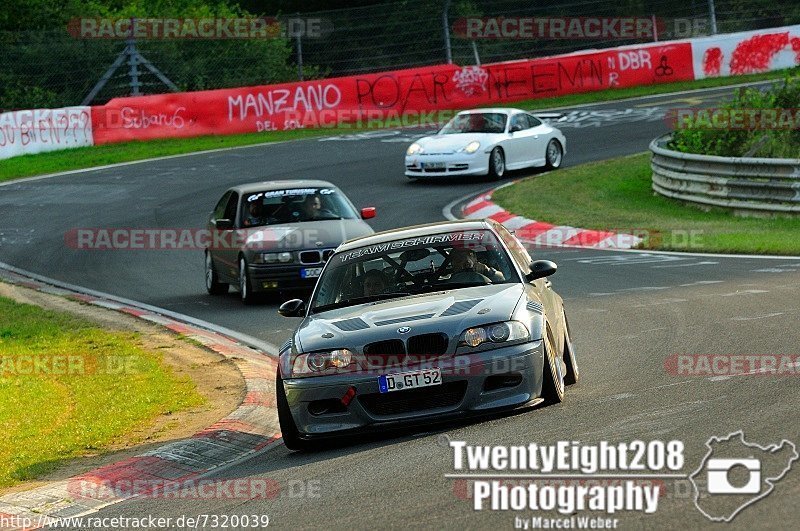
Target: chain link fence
<point>54,69</point>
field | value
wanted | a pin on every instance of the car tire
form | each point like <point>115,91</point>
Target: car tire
<point>573,374</point>
<point>553,373</point>
<point>289,432</point>
<point>213,285</point>
<point>245,286</point>
<point>497,163</point>
<point>554,155</point>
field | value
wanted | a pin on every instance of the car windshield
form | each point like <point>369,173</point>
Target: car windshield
<point>412,266</point>
<point>294,205</point>
<point>476,122</point>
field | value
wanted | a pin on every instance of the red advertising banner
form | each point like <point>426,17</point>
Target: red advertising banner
<point>326,102</point>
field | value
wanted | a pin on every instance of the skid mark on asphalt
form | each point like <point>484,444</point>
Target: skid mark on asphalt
<point>659,288</point>
<point>622,396</point>
<point>14,236</point>
<point>744,292</point>
<point>653,421</point>
<point>629,290</point>
<point>754,318</point>
<point>701,283</point>
<point>685,265</point>
<point>785,269</point>
<point>660,302</point>
<point>646,390</point>
<point>754,372</point>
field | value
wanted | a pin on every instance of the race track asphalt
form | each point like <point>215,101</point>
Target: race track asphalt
<point>629,313</point>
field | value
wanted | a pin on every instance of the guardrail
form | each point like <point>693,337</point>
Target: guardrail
<point>746,185</point>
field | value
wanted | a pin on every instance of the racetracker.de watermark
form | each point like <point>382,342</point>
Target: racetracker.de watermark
<point>723,365</point>
<point>50,365</point>
<point>194,489</point>
<point>189,239</point>
<point>256,28</point>
<point>734,119</point>
<point>648,28</point>
<point>620,238</point>
<point>178,118</point>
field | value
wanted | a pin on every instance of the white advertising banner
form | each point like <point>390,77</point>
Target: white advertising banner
<point>749,52</point>
<point>40,130</point>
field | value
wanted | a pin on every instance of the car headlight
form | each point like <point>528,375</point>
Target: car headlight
<point>325,362</point>
<point>495,333</point>
<point>272,258</point>
<point>413,149</point>
<point>472,147</point>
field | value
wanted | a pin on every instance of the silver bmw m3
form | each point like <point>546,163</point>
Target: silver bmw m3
<point>422,324</point>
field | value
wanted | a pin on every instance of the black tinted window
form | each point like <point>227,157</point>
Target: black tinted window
<point>230,208</point>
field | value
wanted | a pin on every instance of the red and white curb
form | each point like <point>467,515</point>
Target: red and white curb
<point>544,234</point>
<point>251,427</point>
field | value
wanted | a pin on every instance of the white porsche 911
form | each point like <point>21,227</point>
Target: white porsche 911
<point>486,142</point>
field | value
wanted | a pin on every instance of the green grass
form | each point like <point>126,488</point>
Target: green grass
<point>74,159</point>
<point>87,157</point>
<point>616,195</point>
<point>93,390</point>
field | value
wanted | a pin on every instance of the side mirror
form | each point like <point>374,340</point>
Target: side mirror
<point>292,308</point>
<point>368,212</point>
<point>223,224</point>
<point>541,269</point>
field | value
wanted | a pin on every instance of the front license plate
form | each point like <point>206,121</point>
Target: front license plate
<point>433,165</point>
<point>409,380</point>
<point>310,272</point>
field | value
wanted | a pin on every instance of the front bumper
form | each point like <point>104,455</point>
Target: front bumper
<point>471,385</point>
<point>272,277</point>
<point>453,164</point>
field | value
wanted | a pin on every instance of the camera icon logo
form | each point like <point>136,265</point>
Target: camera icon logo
<point>719,471</point>
<point>735,474</point>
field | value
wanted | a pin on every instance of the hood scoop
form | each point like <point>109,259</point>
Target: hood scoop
<point>460,307</point>
<point>534,307</point>
<point>405,319</point>
<point>351,325</point>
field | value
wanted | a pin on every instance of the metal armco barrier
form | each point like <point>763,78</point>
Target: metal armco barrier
<point>746,185</point>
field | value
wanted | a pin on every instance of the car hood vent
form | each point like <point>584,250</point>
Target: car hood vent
<point>534,306</point>
<point>405,319</point>
<point>460,307</point>
<point>351,325</point>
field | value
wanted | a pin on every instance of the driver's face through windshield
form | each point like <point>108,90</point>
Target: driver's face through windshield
<point>294,205</point>
<point>418,265</point>
<point>463,260</point>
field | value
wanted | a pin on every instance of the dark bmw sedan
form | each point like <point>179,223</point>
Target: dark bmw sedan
<point>416,325</point>
<point>277,235</point>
